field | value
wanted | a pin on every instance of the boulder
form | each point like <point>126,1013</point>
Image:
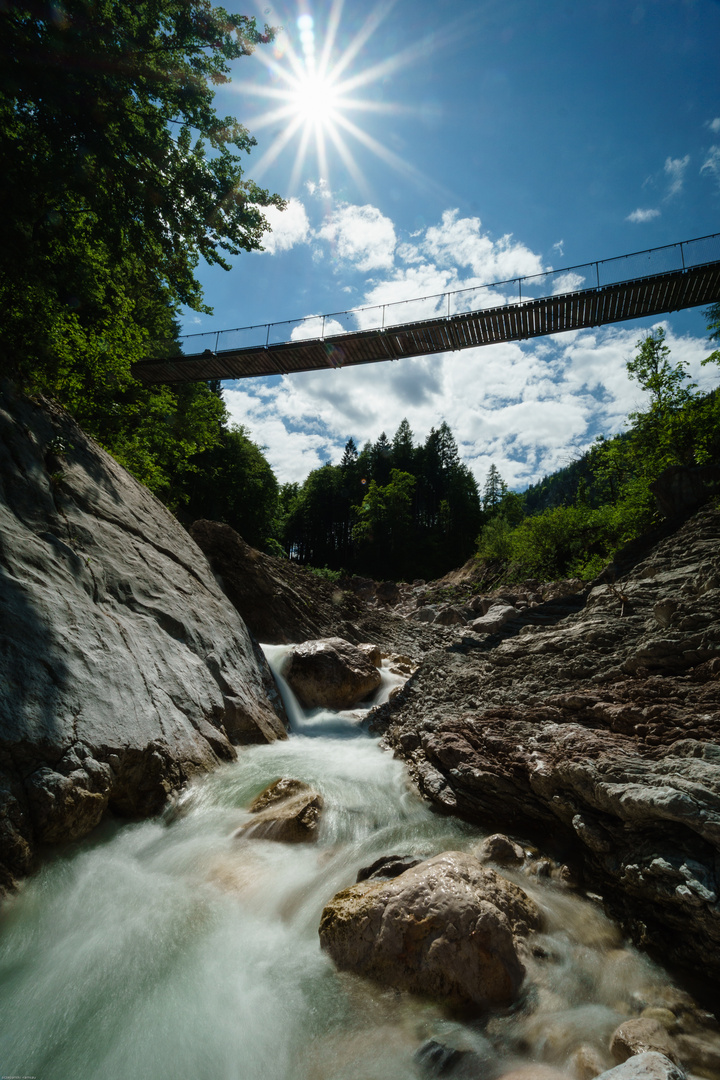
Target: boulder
<point>387,866</point>
<point>330,673</point>
<point>495,619</point>
<point>450,616</point>
<point>647,1066</point>
<point>639,1035</point>
<point>287,811</point>
<point>500,849</point>
<point>447,928</point>
<point>124,669</point>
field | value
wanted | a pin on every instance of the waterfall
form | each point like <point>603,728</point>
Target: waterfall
<point>170,949</point>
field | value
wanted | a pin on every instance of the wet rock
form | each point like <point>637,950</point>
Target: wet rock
<point>287,811</point>
<point>640,1035</point>
<point>647,1066</point>
<point>373,653</point>
<point>331,673</point>
<point>125,669</point>
<point>461,1062</point>
<point>500,849</point>
<point>448,928</point>
<point>387,866</point>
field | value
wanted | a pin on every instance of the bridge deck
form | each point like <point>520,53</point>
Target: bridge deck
<point>651,295</point>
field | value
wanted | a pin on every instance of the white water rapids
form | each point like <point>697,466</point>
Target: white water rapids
<point>168,949</point>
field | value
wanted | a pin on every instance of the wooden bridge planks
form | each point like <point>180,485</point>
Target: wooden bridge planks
<point>653,295</point>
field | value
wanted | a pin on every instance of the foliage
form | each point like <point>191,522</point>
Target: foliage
<point>393,509</point>
<point>608,494</point>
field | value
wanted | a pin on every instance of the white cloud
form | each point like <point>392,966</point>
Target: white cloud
<point>714,125</point>
<point>528,407</point>
<point>642,215</point>
<point>459,242</point>
<point>289,227</point>
<point>361,235</point>
<point>712,164</point>
<point>675,171</point>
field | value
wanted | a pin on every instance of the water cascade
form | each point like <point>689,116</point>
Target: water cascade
<point>170,949</point>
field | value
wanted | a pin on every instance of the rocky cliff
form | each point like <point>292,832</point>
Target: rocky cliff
<point>124,669</point>
<point>598,736</point>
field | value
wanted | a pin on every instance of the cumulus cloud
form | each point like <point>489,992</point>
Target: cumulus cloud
<point>528,407</point>
<point>289,227</point>
<point>675,171</point>
<point>642,215</point>
<point>459,241</point>
<point>712,164</point>
<point>361,235</point>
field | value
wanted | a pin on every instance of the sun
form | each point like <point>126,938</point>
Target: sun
<point>314,92</point>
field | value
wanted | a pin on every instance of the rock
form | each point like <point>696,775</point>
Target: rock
<point>535,1071</point>
<point>287,811</point>
<point>387,592</point>
<point>598,730</point>
<point>461,1062</point>
<point>587,1062</point>
<point>125,670</point>
<point>647,1066</point>
<point>640,1035</point>
<point>450,616</point>
<point>495,619</point>
<point>666,1017</point>
<point>425,614</point>
<point>388,866</point>
<point>330,673</point>
<point>279,601</point>
<point>373,653</point>
<point>445,928</point>
<point>502,850</point>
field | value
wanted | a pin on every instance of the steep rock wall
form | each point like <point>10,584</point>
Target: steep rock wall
<point>124,669</point>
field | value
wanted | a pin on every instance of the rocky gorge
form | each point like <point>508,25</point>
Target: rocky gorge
<point>577,723</point>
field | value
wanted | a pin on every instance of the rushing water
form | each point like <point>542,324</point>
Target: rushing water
<point>168,949</point>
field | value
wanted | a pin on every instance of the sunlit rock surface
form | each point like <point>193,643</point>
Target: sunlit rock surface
<point>598,734</point>
<point>331,673</point>
<point>447,928</point>
<point>287,811</point>
<point>124,669</point>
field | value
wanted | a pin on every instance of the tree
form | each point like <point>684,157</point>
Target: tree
<point>117,177</point>
<point>493,490</point>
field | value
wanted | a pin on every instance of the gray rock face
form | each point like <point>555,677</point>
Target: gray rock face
<point>447,927</point>
<point>331,673</point>
<point>601,731</point>
<point>124,669</point>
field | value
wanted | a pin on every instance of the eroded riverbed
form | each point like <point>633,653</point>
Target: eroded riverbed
<point>170,949</point>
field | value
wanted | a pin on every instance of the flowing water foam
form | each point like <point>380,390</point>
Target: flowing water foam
<point>170,949</point>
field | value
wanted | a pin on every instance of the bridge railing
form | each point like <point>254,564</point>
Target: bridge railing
<point>639,264</point>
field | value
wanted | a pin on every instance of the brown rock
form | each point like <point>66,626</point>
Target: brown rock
<point>445,928</point>
<point>331,673</point>
<point>502,850</point>
<point>639,1036</point>
<point>287,811</point>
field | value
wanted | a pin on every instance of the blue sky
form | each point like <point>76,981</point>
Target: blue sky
<point>463,143</point>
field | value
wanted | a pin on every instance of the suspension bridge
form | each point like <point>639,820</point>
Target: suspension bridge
<point>652,282</point>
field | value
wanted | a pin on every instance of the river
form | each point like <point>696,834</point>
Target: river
<point>168,949</point>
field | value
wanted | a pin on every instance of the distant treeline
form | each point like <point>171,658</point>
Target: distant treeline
<point>392,510</point>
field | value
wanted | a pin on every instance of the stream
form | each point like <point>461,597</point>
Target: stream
<point>169,949</point>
